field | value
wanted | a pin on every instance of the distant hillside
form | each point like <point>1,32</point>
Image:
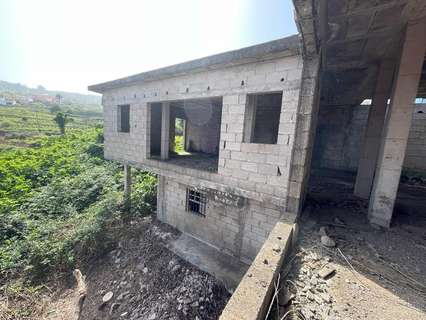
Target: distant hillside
<point>67,97</point>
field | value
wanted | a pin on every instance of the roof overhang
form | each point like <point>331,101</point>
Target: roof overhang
<point>354,37</point>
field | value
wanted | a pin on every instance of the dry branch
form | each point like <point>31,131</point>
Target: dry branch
<point>81,290</point>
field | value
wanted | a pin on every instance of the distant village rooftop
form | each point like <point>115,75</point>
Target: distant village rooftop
<point>273,49</point>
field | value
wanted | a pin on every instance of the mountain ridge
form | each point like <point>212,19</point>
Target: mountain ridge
<point>68,97</point>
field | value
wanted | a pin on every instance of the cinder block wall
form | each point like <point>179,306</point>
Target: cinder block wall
<point>415,154</point>
<point>247,166</point>
<point>236,229</point>
<point>203,130</point>
<point>340,134</point>
<point>267,176</point>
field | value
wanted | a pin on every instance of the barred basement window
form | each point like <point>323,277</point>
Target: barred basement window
<point>123,116</point>
<point>195,202</point>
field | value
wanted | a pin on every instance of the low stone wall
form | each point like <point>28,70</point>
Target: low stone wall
<point>252,297</point>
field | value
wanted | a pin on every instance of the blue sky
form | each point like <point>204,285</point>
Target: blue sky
<point>70,44</point>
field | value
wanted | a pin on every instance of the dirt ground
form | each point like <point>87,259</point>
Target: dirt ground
<point>375,273</point>
<point>146,280</point>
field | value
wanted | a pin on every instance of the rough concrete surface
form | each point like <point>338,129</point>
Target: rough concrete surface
<point>223,267</point>
<point>251,299</point>
<point>378,274</point>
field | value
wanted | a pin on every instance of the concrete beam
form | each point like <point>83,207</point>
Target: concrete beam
<point>165,130</point>
<point>397,125</point>
<point>373,132</point>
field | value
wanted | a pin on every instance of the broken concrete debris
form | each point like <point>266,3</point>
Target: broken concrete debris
<point>327,241</point>
<point>150,282</point>
<point>326,272</point>
<point>307,289</point>
<point>322,231</point>
<point>107,297</point>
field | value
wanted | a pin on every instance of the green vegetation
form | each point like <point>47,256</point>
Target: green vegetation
<point>58,198</point>
<point>37,119</point>
<point>62,120</point>
<point>179,141</point>
<point>179,145</point>
<point>61,206</point>
<point>61,203</point>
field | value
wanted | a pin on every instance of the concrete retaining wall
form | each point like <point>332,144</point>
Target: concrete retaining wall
<point>252,297</point>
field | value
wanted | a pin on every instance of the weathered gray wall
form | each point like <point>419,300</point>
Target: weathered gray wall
<point>340,133</point>
<point>203,129</point>
<point>250,168</point>
<point>415,155</point>
<point>238,228</point>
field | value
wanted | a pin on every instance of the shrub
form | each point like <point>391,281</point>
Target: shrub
<point>95,150</point>
<point>5,124</point>
<point>60,204</point>
<point>144,193</point>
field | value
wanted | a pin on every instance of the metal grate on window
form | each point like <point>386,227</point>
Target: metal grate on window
<point>196,202</point>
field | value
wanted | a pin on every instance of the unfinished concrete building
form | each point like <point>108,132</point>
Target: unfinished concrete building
<point>247,121</point>
<point>239,168</point>
<point>232,137</point>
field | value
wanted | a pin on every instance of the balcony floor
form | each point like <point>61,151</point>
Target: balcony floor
<point>194,160</point>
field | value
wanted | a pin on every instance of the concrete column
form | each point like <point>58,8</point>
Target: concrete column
<point>161,180</point>
<point>165,130</point>
<point>148,131</point>
<point>127,185</point>
<point>397,125</point>
<point>185,134</point>
<point>250,116</point>
<point>376,117</point>
<point>172,132</point>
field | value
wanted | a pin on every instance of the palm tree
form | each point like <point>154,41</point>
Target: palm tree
<point>61,120</point>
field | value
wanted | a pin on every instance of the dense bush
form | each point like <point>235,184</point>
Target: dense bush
<point>24,170</point>
<point>60,202</point>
